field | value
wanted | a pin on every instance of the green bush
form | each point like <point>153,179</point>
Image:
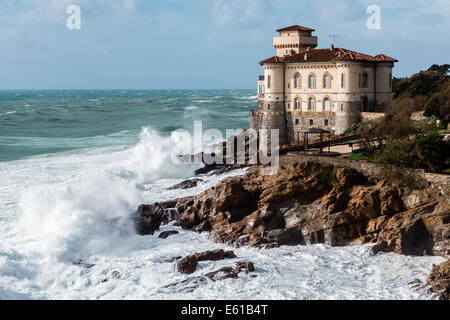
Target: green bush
<point>432,152</point>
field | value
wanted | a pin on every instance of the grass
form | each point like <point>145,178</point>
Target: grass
<point>362,154</point>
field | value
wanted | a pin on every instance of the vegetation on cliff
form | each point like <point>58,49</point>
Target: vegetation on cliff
<point>398,141</point>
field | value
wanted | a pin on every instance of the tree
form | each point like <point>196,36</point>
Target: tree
<point>442,69</point>
<point>438,105</point>
<point>432,152</point>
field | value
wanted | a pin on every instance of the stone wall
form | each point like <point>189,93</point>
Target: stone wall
<point>370,116</point>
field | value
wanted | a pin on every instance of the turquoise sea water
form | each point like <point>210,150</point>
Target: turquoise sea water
<point>44,122</point>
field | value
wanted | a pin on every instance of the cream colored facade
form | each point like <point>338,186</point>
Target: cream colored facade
<point>329,94</point>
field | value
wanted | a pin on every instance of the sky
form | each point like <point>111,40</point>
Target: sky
<point>199,44</point>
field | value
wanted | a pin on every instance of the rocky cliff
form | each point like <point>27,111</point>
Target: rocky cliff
<point>309,203</point>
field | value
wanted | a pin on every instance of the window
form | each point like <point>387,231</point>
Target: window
<point>342,107</point>
<point>297,104</point>
<point>327,81</point>
<point>325,123</point>
<point>268,107</point>
<point>326,104</point>
<point>312,81</point>
<point>365,80</point>
<point>261,89</point>
<point>297,122</point>
<point>311,122</point>
<point>311,104</point>
<point>297,81</point>
<point>289,106</point>
<point>342,80</point>
<point>268,82</point>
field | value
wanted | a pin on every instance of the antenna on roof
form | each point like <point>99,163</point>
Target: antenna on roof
<point>333,38</point>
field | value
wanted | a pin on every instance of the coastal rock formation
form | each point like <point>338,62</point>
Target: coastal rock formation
<point>187,184</point>
<point>439,281</point>
<point>192,283</point>
<point>166,234</point>
<point>148,218</point>
<point>189,264</point>
<point>308,203</point>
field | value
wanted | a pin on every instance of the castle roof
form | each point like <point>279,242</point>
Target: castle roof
<point>295,28</point>
<point>327,55</point>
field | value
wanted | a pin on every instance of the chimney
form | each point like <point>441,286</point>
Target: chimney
<point>332,47</point>
<point>306,56</point>
<point>308,48</point>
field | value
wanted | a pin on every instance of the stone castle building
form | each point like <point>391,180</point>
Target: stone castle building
<point>330,88</point>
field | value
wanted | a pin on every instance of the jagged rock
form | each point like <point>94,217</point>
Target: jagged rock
<point>173,259</point>
<point>308,203</point>
<point>166,234</point>
<point>205,226</point>
<point>188,285</point>
<point>285,236</point>
<point>246,266</point>
<point>148,218</point>
<point>187,265</point>
<point>215,255</point>
<point>222,274</point>
<point>187,184</point>
<point>438,281</point>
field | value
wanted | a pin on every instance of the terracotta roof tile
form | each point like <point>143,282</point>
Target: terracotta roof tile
<point>295,28</point>
<point>383,57</point>
<point>335,54</point>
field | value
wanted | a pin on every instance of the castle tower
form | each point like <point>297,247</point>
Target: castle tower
<point>293,40</point>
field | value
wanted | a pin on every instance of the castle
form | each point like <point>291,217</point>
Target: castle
<point>305,87</point>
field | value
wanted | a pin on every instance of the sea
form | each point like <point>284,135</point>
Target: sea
<point>75,164</point>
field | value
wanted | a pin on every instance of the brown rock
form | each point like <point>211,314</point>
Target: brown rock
<point>148,218</point>
<point>187,184</point>
<point>307,203</point>
<point>187,265</point>
<point>439,281</point>
<point>222,274</point>
<point>215,255</point>
<point>246,266</point>
<point>166,234</point>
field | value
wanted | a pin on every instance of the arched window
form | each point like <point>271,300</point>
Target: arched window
<point>326,104</point>
<point>297,104</point>
<point>327,81</point>
<point>312,81</point>
<point>365,80</point>
<point>311,104</point>
<point>297,81</point>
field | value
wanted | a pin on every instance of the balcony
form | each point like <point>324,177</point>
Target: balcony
<point>294,41</point>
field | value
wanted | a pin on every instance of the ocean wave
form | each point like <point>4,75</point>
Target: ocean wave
<point>89,214</point>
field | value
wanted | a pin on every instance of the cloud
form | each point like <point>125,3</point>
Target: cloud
<point>429,19</point>
<point>331,11</point>
<point>240,13</point>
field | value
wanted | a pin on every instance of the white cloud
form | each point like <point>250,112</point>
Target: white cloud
<point>240,13</point>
